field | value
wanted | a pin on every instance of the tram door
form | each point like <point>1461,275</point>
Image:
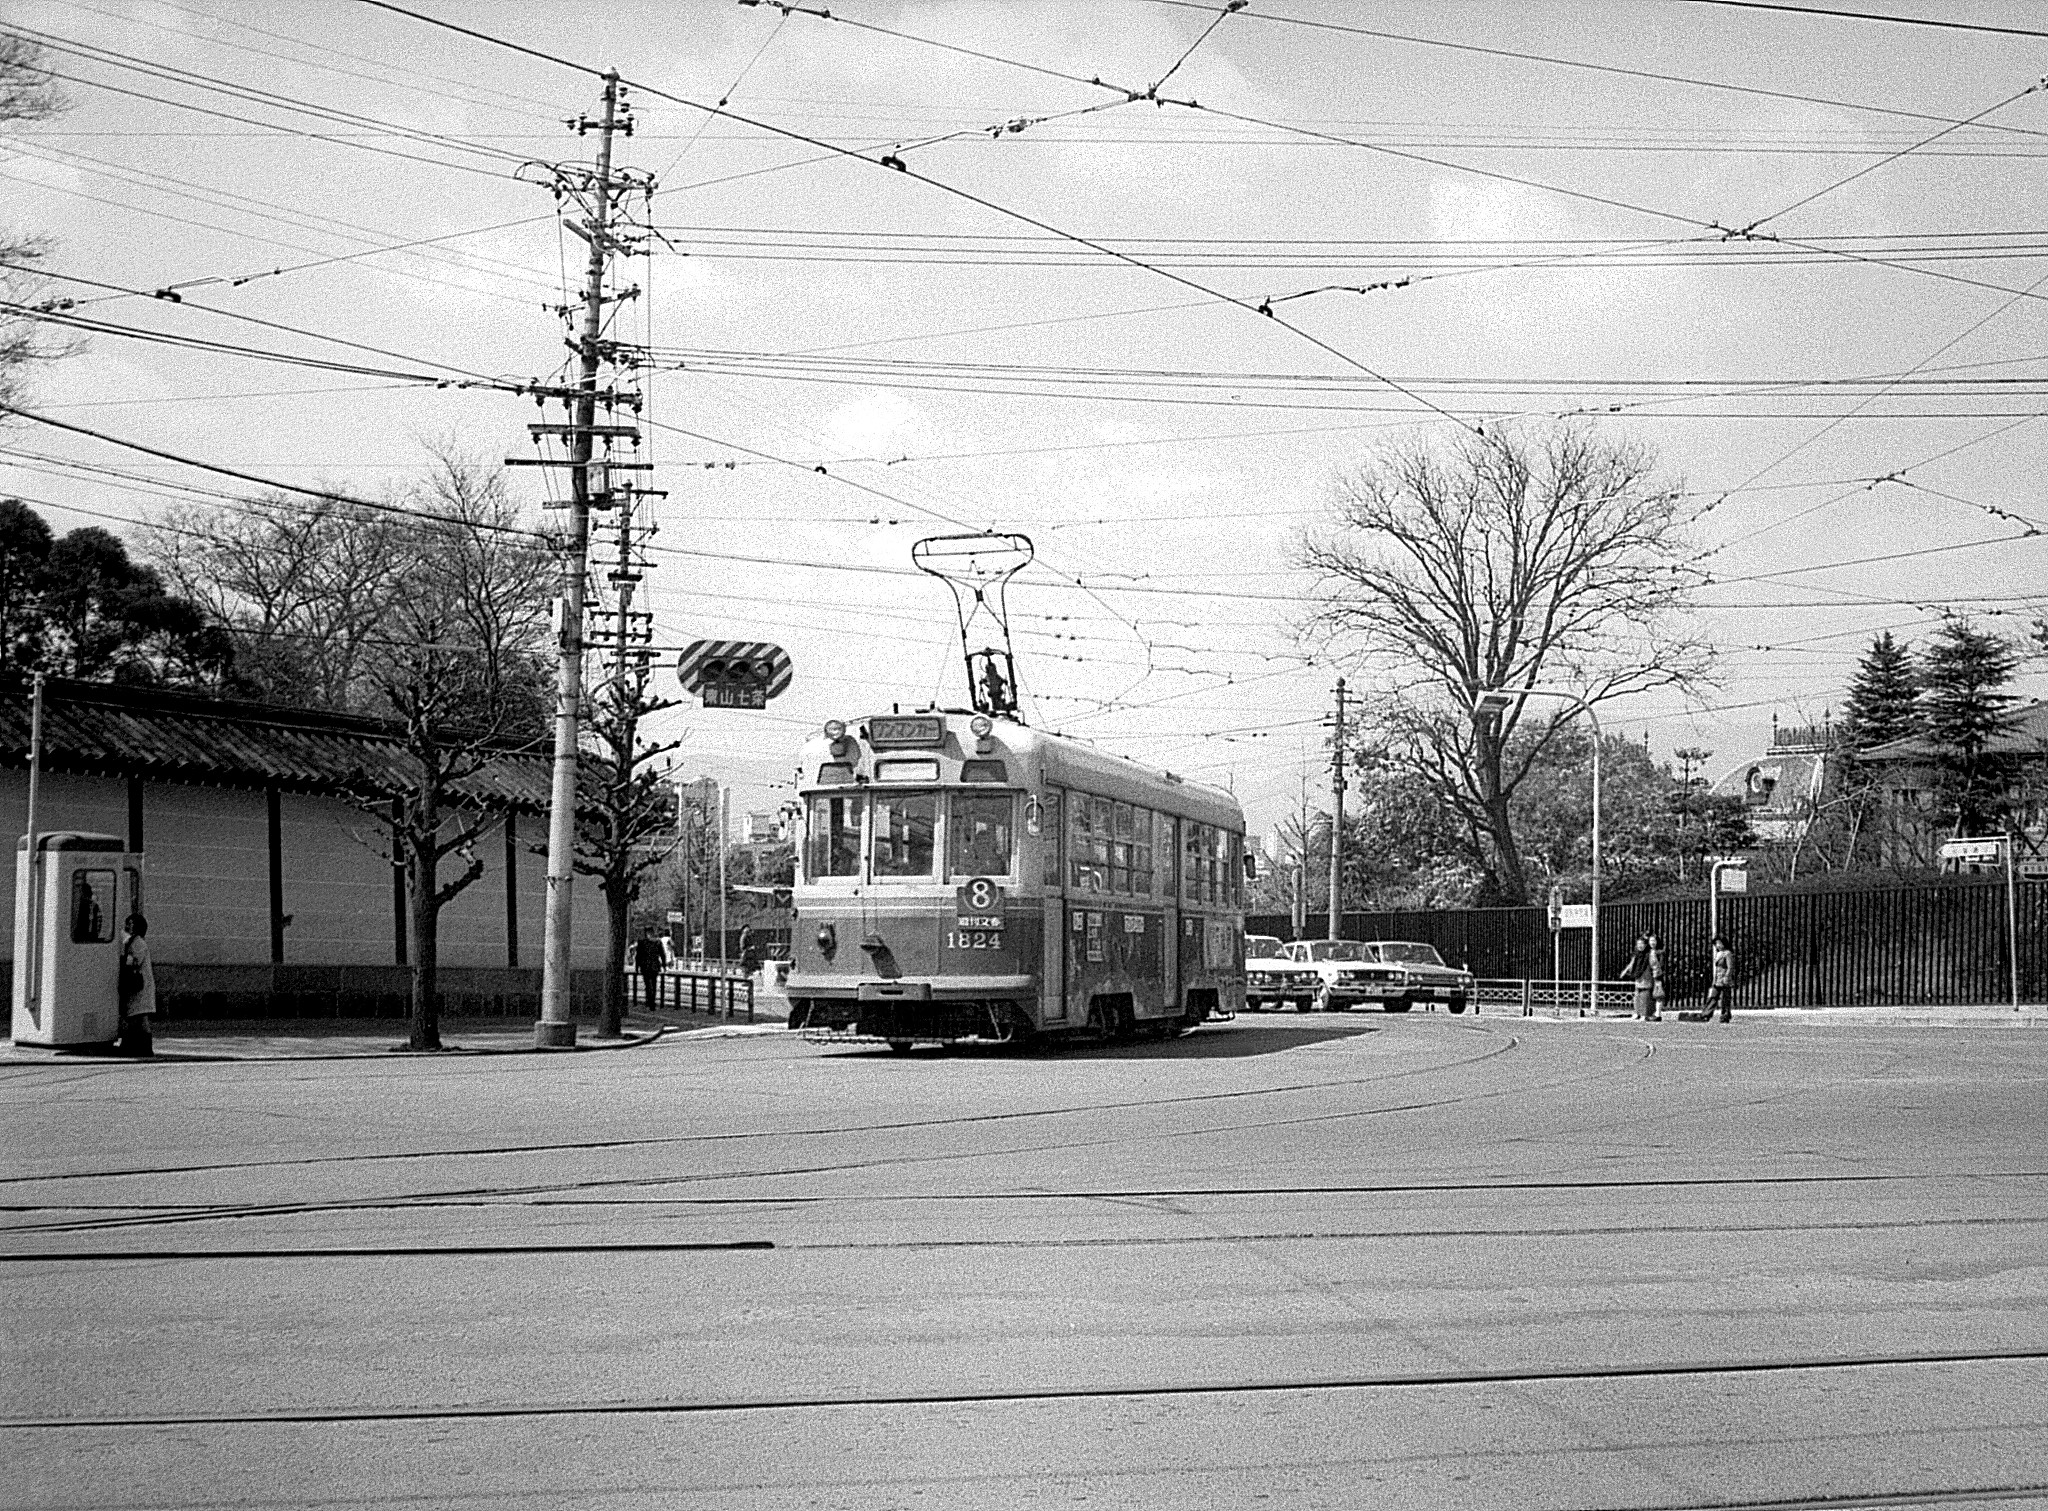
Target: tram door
<point>1170,961</point>
<point>1052,979</point>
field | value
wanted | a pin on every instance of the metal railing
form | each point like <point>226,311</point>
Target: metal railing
<point>716,980</point>
<point>1526,997</point>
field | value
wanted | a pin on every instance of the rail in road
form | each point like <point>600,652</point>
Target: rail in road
<point>1419,1260</point>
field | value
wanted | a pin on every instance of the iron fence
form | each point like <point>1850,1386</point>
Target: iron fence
<point>1941,944</point>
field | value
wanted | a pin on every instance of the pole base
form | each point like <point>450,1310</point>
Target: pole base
<point>547,1035</point>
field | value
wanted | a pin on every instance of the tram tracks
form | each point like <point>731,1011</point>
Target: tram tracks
<point>709,1177</point>
<point>572,1193</point>
<point>1094,1241</point>
<point>598,1145</point>
<point>1019,1394</point>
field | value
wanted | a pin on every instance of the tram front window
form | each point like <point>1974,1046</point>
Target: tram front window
<point>906,827</point>
<point>833,835</point>
<point>979,826</point>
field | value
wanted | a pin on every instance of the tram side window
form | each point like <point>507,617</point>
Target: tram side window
<point>1050,828</point>
<point>832,836</point>
<point>1203,869</point>
<point>906,828</point>
<point>1141,852</point>
<point>1233,870</point>
<point>1088,842</point>
<point>981,832</point>
<point>1122,819</point>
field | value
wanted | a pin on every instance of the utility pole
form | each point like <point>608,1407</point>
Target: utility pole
<point>556,1029</point>
<point>1337,822</point>
<point>1299,912</point>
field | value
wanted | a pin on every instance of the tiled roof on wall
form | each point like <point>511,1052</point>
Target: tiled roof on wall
<point>98,729</point>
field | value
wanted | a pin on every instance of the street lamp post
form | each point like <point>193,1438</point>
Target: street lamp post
<point>1497,703</point>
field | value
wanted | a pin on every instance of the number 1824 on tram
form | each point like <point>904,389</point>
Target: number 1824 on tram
<point>965,878</point>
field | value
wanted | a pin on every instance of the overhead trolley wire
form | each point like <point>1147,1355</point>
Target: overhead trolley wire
<point>1892,158</point>
<point>895,162</point>
<point>1280,18</point>
<point>249,94</point>
<point>1266,308</point>
<point>1864,15</point>
<point>465,91</point>
<point>316,136</point>
<point>233,202</point>
<point>170,296</point>
<point>326,495</point>
<point>259,354</point>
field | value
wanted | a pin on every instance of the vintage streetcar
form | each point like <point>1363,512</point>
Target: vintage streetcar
<point>964,878</point>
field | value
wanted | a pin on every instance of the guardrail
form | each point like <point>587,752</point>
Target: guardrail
<point>1527,997</point>
<point>717,980</point>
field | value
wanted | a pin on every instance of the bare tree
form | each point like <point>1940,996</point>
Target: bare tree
<point>304,584</point>
<point>460,665</point>
<point>432,612</point>
<point>1539,556</point>
<point>626,817</point>
<point>27,93</point>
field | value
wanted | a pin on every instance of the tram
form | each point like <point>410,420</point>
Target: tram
<point>964,878</point>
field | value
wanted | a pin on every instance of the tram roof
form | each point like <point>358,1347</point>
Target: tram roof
<point>1073,762</point>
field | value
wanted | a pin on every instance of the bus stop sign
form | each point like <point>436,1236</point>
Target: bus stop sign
<point>735,673</point>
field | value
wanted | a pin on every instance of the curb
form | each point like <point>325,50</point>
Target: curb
<point>1860,1017</point>
<point>36,1054</point>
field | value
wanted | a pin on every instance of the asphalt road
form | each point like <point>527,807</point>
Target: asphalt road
<point>1291,1261</point>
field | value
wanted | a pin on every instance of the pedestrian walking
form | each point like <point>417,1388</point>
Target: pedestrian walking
<point>1638,975</point>
<point>647,960</point>
<point>1722,979</point>
<point>137,989</point>
<point>750,959</point>
<point>1656,961</point>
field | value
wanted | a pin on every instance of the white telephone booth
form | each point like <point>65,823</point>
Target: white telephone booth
<point>67,937</point>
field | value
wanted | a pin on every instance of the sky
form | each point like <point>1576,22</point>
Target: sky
<point>1049,325</point>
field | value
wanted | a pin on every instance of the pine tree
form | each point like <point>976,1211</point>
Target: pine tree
<point>1883,699</point>
<point>1964,708</point>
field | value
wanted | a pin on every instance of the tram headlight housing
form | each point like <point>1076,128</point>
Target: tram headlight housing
<point>982,727</point>
<point>828,940</point>
<point>835,731</point>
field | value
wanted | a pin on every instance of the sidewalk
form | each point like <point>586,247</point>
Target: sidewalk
<point>2030,1015</point>
<point>384,1038</point>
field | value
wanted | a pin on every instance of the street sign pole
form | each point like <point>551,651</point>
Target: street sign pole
<point>2012,924</point>
<point>1996,847</point>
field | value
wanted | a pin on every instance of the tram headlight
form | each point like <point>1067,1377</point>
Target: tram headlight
<point>835,731</point>
<point>828,940</point>
<point>982,726</point>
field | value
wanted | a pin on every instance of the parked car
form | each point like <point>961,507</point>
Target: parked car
<point>1273,978</point>
<point>1394,973</point>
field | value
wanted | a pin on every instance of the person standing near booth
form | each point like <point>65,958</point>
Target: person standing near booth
<point>138,989</point>
<point>1638,976</point>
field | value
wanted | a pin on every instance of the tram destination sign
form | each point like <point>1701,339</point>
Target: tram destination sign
<point>906,731</point>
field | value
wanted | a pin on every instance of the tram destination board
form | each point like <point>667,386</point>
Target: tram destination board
<point>906,731</point>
